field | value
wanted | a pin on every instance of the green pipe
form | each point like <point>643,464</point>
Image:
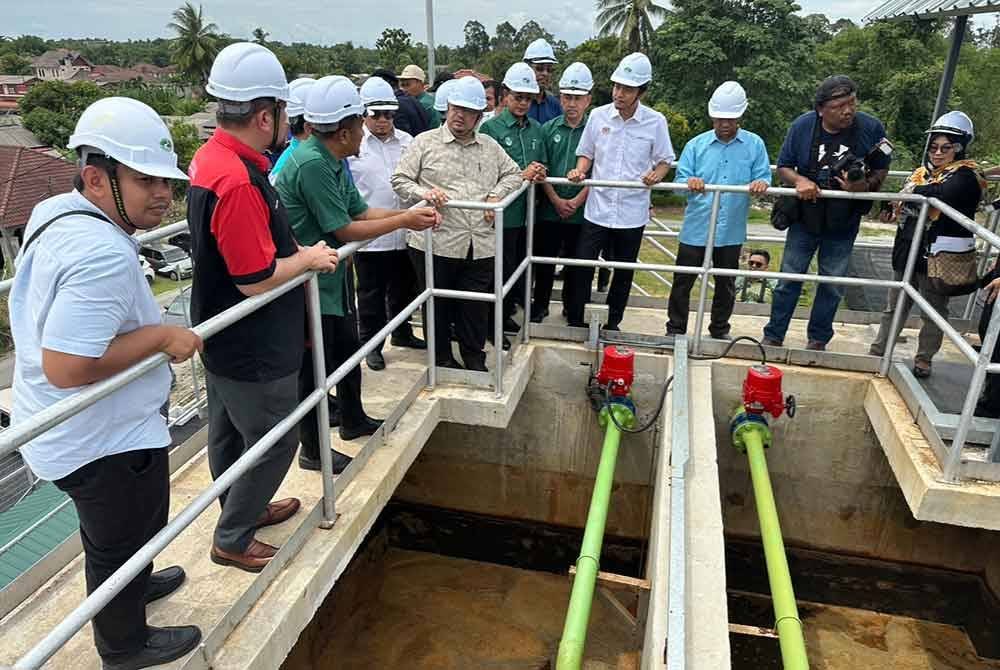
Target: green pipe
<point>752,437</point>
<point>574,635</point>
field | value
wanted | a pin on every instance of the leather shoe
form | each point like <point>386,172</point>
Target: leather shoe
<point>816,345</point>
<point>409,341</point>
<point>610,326</point>
<point>449,363</point>
<point>340,462</point>
<point>278,512</point>
<point>576,324</point>
<point>510,325</point>
<point>476,366</point>
<point>254,559</point>
<point>538,315</point>
<point>163,645</point>
<point>367,427</point>
<point>164,582</point>
<point>375,361</point>
<point>771,342</point>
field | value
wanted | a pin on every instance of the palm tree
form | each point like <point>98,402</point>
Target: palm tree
<point>631,20</point>
<point>196,43</point>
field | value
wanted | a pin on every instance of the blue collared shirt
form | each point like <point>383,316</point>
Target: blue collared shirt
<point>545,111</point>
<point>741,161</point>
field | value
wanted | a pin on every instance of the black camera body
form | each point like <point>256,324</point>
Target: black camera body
<point>853,168</point>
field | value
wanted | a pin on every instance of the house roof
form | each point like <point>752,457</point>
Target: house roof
<point>897,10</point>
<point>14,134</point>
<point>16,79</point>
<point>26,178</point>
<point>42,539</point>
<point>54,57</point>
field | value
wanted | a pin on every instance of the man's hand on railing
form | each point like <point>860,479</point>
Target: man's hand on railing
<point>181,343</point>
<point>992,290</point>
<point>436,197</point>
<point>652,178</point>
<point>535,172</point>
<point>489,215</point>
<point>806,189</point>
<point>576,176</point>
<point>422,218</point>
<point>696,184</point>
<point>759,187</point>
<point>320,257</point>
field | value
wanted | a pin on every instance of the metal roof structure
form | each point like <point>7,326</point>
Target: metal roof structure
<point>35,528</point>
<point>897,10</point>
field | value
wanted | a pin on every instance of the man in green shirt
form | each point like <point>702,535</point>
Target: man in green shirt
<point>413,81</point>
<point>323,204</point>
<point>560,213</point>
<point>521,138</point>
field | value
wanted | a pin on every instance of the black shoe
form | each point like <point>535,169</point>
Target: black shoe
<point>476,366</point>
<point>576,324</point>
<point>164,582</point>
<point>368,426</point>
<point>340,462</point>
<point>506,342</point>
<point>510,325</point>
<point>162,646</point>
<point>375,361</point>
<point>409,341</point>
<point>538,315</point>
<point>449,363</point>
<point>610,326</point>
<point>602,288</point>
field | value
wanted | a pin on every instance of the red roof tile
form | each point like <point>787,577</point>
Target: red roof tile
<point>26,178</point>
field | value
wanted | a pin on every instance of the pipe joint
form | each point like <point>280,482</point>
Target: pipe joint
<point>744,423</point>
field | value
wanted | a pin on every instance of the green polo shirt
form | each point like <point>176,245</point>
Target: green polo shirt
<point>522,143</point>
<point>560,145</point>
<point>320,198</point>
<point>426,101</point>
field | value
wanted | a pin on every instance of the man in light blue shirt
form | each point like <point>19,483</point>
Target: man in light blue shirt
<point>725,155</point>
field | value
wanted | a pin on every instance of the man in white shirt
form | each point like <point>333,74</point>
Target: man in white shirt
<point>623,141</point>
<point>80,312</point>
<point>387,282</point>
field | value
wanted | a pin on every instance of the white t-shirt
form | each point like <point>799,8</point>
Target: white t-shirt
<point>78,286</point>
<point>623,151</point>
<point>372,171</point>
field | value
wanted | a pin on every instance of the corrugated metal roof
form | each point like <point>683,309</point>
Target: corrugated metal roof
<point>895,10</point>
<point>40,541</point>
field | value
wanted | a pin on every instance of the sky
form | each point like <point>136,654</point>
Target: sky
<point>326,21</point>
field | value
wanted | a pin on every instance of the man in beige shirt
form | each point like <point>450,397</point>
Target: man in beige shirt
<point>456,162</point>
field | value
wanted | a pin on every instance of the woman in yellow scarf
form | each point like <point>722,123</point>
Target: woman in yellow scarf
<point>949,176</point>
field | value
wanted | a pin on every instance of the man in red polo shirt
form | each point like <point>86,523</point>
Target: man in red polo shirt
<point>242,245</point>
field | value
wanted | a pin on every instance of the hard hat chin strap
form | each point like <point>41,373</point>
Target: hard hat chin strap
<point>116,193</point>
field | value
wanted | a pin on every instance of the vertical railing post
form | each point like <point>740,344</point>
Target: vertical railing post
<point>498,300</point>
<point>430,336</point>
<point>954,461</point>
<point>323,408</point>
<point>706,265</point>
<point>529,249</point>
<point>897,315</point>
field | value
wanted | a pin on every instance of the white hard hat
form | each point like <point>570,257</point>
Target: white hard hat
<point>297,92</point>
<point>634,70</point>
<point>520,78</point>
<point>468,92</point>
<point>331,100</point>
<point>954,123</point>
<point>246,71</point>
<point>728,102</point>
<point>413,72</point>
<point>441,96</point>
<point>376,93</point>
<point>131,133</point>
<point>540,51</point>
<point>576,80</point>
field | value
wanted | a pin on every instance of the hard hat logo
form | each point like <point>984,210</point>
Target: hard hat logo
<point>166,144</point>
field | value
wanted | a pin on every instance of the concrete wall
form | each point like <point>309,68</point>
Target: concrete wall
<point>541,467</point>
<point>834,487</point>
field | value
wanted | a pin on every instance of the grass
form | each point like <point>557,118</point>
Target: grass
<point>164,284</point>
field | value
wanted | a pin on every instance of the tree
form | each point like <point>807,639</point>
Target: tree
<point>196,44</point>
<point>12,63</point>
<point>477,40</point>
<point>631,20</point>
<point>51,109</point>
<point>393,41</point>
<point>601,55</point>
<point>260,36</point>
<point>530,32</point>
<point>505,36</point>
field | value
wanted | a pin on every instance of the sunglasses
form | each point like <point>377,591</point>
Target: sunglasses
<point>940,148</point>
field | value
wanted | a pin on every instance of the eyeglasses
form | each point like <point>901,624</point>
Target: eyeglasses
<point>940,148</point>
<point>382,114</point>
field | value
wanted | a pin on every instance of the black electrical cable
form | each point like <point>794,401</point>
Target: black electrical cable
<point>670,379</point>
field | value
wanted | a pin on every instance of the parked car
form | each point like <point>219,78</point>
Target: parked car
<point>168,260</point>
<point>178,312</point>
<point>147,270</point>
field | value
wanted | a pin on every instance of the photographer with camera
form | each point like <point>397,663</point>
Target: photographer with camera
<point>946,174</point>
<point>821,151</point>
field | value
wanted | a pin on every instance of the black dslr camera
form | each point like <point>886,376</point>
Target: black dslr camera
<point>855,169</point>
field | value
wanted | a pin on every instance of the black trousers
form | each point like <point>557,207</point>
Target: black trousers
<point>618,244</point>
<point>386,285</point>
<point>723,298</point>
<point>122,501</point>
<point>340,341</point>
<point>515,247</point>
<point>989,400</point>
<point>470,318</point>
<point>553,238</point>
